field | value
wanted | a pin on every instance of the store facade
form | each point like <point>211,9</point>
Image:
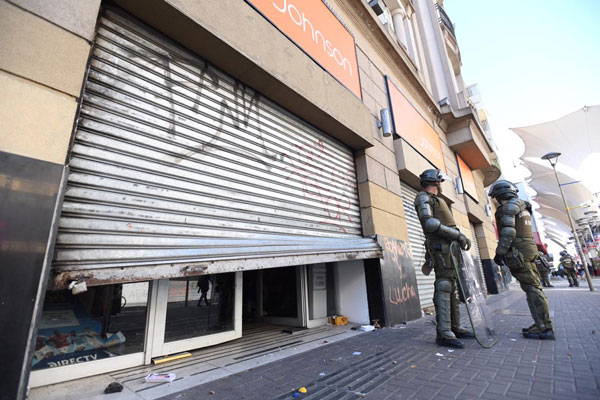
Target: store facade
<point>192,204</point>
<point>224,165</point>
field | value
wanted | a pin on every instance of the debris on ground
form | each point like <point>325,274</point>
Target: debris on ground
<point>356,353</point>
<point>156,377</point>
<point>322,374</point>
<point>212,392</point>
<point>113,387</point>
<point>301,391</point>
<point>367,328</point>
<point>439,354</point>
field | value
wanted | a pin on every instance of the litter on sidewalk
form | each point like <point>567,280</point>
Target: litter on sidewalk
<point>114,387</point>
<point>356,353</point>
<point>158,377</point>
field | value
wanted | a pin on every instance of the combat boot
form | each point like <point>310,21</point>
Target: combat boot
<point>547,334</point>
<point>461,333</point>
<point>534,332</point>
<point>449,342</point>
<point>524,330</point>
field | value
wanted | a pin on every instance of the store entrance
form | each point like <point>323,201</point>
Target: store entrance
<point>274,296</point>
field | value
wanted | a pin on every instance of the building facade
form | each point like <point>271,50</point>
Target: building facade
<point>173,170</point>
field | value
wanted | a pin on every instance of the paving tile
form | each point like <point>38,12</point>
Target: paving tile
<point>515,369</point>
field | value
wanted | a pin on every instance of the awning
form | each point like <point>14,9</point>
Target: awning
<point>576,137</point>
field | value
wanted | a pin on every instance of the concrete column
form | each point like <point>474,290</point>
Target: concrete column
<point>412,43</point>
<point>398,17</point>
<point>435,66</point>
<point>422,62</point>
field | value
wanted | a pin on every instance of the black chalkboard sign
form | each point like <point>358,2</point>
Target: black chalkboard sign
<point>400,292</point>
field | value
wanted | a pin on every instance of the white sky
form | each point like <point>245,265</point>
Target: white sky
<point>534,61</point>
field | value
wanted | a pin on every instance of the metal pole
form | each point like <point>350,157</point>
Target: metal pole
<point>581,255</point>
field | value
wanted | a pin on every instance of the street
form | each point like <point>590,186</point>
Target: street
<point>404,362</point>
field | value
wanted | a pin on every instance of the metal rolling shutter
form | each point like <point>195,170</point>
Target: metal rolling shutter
<point>178,169</point>
<point>477,257</point>
<point>417,240</point>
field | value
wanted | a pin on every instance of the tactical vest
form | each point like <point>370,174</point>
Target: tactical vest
<point>567,261</point>
<point>522,219</point>
<point>523,225</point>
<point>442,213</point>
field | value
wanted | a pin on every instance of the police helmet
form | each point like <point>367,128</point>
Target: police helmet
<point>503,190</point>
<point>430,177</point>
<point>563,253</point>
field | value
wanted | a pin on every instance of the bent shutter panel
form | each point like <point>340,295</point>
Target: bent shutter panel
<point>417,240</point>
<point>175,163</point>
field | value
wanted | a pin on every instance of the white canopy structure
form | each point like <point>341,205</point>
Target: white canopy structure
<point>577,137</point>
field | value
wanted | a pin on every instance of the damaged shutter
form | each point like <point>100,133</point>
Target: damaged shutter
<point>178,169</point>
<point>417,240</point>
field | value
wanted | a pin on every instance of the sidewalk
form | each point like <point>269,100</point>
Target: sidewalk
<point>406,363</point>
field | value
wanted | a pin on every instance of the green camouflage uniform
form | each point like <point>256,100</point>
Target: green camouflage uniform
<point>543,269</point>
<point>439,235</point>
<point>569,267</point>
<point>513,219</point>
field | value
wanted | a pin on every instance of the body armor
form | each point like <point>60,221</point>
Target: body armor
<point>569,264</point>
<point>440,230</point>
<point>513,219</point>
<point>518,250</point>
<point>543,269</point>
<point>567,261</point>
<point>436,219</point>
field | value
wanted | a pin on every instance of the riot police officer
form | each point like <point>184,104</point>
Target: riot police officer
<point>440,231</point>
<point>517,249</point>
<point>543,268</point>
<point>569,268</point>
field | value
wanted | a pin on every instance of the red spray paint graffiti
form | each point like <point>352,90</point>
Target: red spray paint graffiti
<point>307,165</point>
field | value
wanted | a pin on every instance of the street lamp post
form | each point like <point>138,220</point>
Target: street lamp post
<point>553,159</point>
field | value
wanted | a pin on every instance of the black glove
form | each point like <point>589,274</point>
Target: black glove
<point>498,259</point>
<point>464,242</point>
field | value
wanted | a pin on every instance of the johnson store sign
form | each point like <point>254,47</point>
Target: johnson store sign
<point>318,32</point>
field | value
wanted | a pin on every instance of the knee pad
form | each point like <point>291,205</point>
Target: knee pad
<point>443,285</point>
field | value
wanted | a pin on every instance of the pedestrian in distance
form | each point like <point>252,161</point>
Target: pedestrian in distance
<point>518,251</point>
<point>440,231</point>
<point>568,264</point>
<point>203,285</point>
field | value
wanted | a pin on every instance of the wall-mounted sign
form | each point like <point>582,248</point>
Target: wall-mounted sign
<point>467,177</point>
<point>313,27</point>
<point>410,125</point>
